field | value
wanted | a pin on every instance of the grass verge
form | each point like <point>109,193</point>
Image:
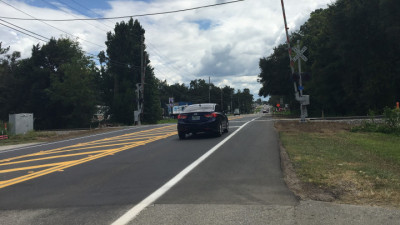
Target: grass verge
<point>164,121</point>
<point>356,168</point>
<point>48,136</point>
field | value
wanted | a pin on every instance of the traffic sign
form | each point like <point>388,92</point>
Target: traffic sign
<point>299,54</point>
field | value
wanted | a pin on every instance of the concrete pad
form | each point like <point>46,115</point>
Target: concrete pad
<point>204,214</point>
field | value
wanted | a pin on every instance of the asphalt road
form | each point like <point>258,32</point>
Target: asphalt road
<point>146,175</point>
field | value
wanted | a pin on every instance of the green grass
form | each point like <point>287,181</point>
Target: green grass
<point>365,166</point>
<point>163,121</point>
<point>32,136</point>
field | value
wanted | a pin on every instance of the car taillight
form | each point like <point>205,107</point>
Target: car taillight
<point>210,115</point>
<point>182,117</point>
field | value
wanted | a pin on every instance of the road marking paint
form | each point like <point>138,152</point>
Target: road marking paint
<point>30,168</point>
<point>73,139</point>
<point>56,150</point>
<point>133,212</point>
<point>132,140</point>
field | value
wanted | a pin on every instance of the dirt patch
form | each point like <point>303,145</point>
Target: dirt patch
<point>315,126</point>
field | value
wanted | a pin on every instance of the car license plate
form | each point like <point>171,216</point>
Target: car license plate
<point>195,117</point>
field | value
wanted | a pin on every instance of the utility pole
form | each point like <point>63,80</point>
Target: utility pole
<point>222,103</point>
<point>231,101</point>
<point>143,69</point>
<point>209,90</point>
<point>140,86</point>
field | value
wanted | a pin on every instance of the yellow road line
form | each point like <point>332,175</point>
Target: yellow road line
<point>62,149</point>
<point>154,135</point>
<point>32,167</point>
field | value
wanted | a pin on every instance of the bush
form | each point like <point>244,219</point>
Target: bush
<point>392,119</point>
<point>390,123</point>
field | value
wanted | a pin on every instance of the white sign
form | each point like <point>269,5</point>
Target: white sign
<point>299,54</point>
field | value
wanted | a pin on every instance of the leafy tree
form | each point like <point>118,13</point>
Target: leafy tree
<point>227,96</point>
<point>56,84</point>
<point>8,64</point>
<point>353,57</point>
<point>123,67</point>
<point>275,76</point>
<point>199,91</point>
<point>152,104</point>
<point>74,96</point>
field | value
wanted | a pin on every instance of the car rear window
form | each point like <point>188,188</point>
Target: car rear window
<point>199,108</point>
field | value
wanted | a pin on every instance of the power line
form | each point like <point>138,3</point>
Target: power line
<point>47,39</point>
<point>25,30</point>
<point>121,17</point>
<point>50,25</point>
<point>95,13</point>
<point>66,12</point>
<point>22,32</point>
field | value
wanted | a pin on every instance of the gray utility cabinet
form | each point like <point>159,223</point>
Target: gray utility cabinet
<point>20,123</point>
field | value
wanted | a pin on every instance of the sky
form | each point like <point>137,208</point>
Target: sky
<point>222,42</point>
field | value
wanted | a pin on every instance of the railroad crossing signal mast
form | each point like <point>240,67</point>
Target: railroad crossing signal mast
<point>303,99</point>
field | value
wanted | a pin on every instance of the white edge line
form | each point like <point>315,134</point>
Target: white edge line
<point>133,212</point>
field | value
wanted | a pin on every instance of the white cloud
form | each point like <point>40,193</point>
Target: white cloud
<point>227,46</point>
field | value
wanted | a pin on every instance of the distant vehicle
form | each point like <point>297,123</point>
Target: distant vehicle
<point>206,117</point>
<point>266,110</point>
<point>178,109</point>
<point>236,112</point>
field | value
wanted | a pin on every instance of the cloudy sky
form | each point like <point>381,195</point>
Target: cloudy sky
<point>223,42</point>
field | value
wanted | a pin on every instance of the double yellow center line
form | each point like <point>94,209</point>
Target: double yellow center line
<point>26,167</point>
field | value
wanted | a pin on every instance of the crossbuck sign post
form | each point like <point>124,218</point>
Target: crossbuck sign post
<point>303,99</point>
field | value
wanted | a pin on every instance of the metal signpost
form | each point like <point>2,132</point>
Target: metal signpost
<point>304,99</point>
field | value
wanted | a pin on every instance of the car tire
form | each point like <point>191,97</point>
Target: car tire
<point>219,130</point>
<point>227,127</point>
<point>181,135</point>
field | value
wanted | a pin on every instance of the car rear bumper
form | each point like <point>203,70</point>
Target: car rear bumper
<point>198,127</point>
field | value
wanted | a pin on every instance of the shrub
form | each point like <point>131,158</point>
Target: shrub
<point>390,124</point>
<point>392,118</point>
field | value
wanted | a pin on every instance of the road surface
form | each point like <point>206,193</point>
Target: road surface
<point>146,175</point>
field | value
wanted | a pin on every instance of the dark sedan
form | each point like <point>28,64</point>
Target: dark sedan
<point>207,117</point>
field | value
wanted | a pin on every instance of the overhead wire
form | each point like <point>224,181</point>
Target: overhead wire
<point>22,32</point>
<point>50,24</point>
<point>109,18</point>
<point>121,17</point>
<point>95,13</point>
<point>54,5</point>
<point>25,30</point>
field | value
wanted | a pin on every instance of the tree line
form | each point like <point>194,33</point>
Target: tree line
<point>353,59</point>
<point>199,91</point>
<point>65,88</point>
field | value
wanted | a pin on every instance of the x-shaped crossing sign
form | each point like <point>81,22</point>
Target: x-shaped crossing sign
<point>299,54</point>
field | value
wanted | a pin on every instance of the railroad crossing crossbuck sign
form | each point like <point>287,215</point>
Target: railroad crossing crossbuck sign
<point>299,54</point>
